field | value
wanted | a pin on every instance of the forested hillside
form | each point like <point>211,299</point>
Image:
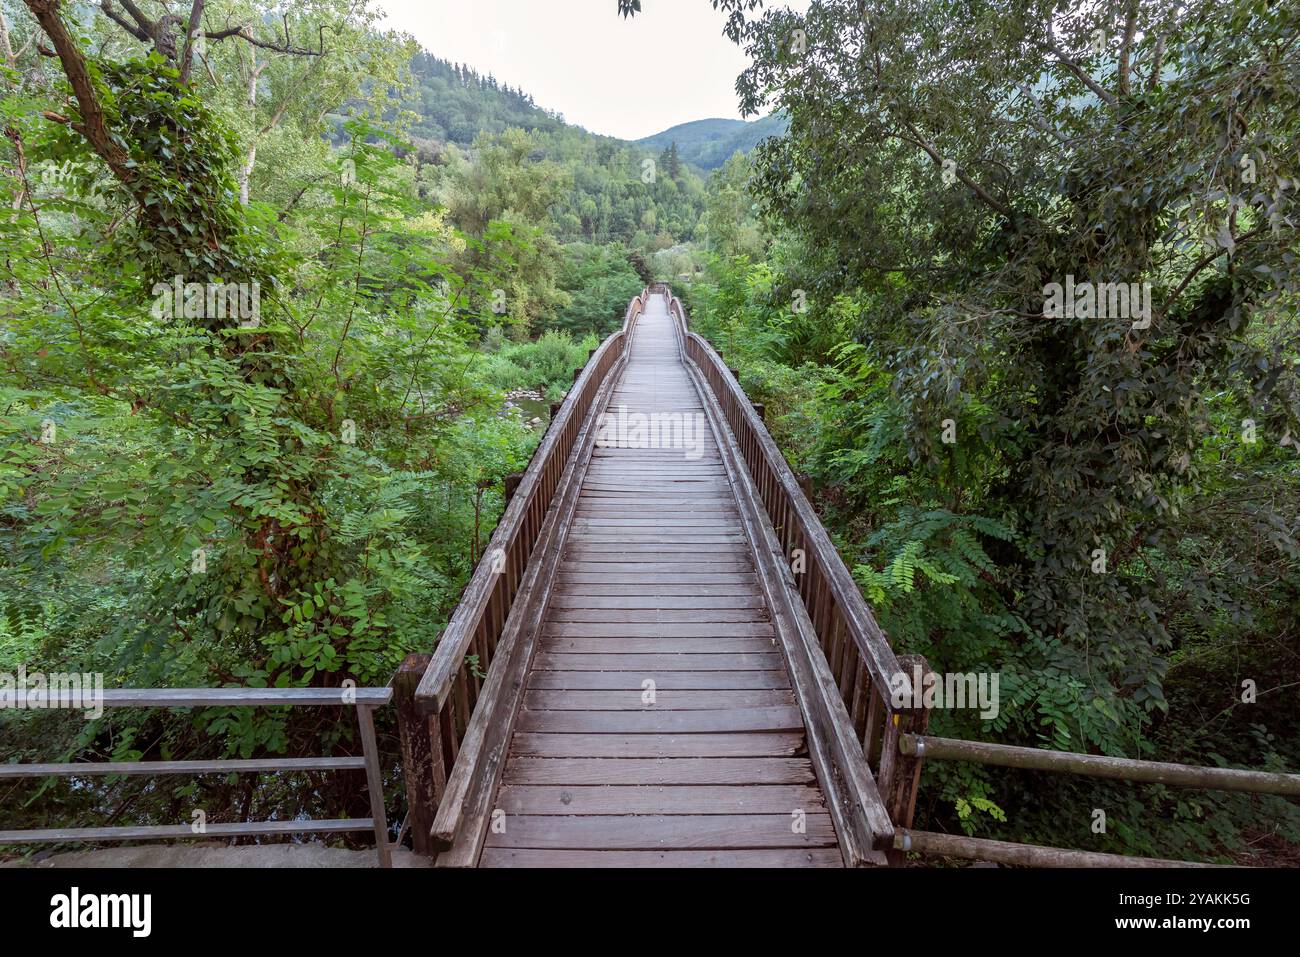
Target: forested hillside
<point>604,198</point>
<point>454,103</point>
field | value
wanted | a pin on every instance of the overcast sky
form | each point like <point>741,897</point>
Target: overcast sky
<point>628,78</point>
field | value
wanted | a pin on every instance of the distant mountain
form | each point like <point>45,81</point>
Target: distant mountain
<point>608,200</point>
<point>709,143</point>
<point>453,103</point>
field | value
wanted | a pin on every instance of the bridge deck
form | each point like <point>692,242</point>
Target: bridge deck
<point>707,765</point>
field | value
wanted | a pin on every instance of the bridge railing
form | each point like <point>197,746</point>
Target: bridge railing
<point>861,661</point>
<point>918,747</point>
<point>365,700</point>
<point>864,666</point>
<point>450,688</point>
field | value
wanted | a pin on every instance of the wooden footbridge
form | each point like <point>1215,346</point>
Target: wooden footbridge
<point>660,660</point>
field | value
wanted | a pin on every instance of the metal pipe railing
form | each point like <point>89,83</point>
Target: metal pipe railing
<point>365,700</point>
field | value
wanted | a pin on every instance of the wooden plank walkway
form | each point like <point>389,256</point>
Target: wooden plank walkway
<point>658,726</point>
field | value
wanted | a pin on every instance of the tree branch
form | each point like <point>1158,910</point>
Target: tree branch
<point>111,12</point>
<point>917,139</point>
<point>1209,258</point>
<point>92,124</point>
<point>1126,47</point>
<point>191,31</point>
<point>1079,73</point>
<point>145,24</point>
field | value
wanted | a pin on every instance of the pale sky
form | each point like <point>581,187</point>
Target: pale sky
<point>627,78</point>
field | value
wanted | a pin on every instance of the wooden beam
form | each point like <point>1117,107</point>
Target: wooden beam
<point>374,784</point>
<point>464,813</point>
<point>417,733</point>
<point>453,646</point>
<point>1021,855</point>
<point>1101,766</point>
<point>855,804</point>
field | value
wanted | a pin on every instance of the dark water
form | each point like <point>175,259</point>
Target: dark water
<point>532,408</point>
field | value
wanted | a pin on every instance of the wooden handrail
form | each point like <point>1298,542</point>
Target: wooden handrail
<point>474,628</point>
<point>448,693</point>
<point>1101,766</point>
<point>1021,855</point>
<point>864,666</point>
<point>244,697</point>
<point>860,812</point>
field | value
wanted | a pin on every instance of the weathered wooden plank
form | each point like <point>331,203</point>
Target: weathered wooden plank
<point>693,507</point>
<point>655,580</point>
<point>628,552</point>
<point>662,771</point>
<point>654,538</point>
<point>661,722</point>
<point>657,832</point>
<point>546,661</point>
<point>614,644</point>
<point>656,567</point>
<point>569,606</point>
<point>619,589</point>
<point>704,628</point>
<point>666,699</point>
<point>663,680</point>
<point>649,799</point>
<point>652,616</point>
<point>679,487</point>
<point>764,858</point>
<point>591,523</point>
<point>771,744</point>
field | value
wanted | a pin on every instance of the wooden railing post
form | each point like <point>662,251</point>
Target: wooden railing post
<point>421,752</point>
<point>900,772</point>
<point>511,485</point>
<point>374,783</point>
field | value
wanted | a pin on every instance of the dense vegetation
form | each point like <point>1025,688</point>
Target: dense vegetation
<point>1102,507</point>
<point>288,493</point>
<point>1102,510</point>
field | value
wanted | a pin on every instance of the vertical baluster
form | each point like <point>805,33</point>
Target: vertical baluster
<point>463,710</point>
<point>901,779</point>
<point>876,715</point>
<point>841,659</point>
<point>861,693</point>
<point>447,734</point>
<point>374,783</point>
